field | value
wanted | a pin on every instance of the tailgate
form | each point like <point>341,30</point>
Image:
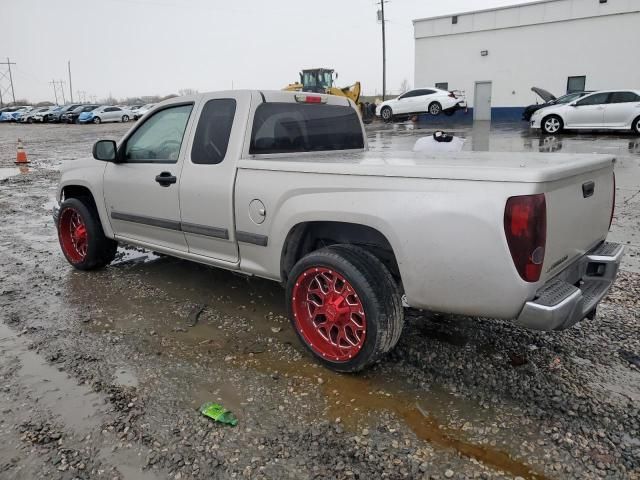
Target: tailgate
<point>578,217</point>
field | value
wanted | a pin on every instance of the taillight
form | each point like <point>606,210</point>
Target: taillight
<point>310,99</point>
<point>452,95</point>
<point>613,202</point>
<point>525,225</point>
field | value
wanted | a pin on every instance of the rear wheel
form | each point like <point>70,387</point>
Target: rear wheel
<point>552,124</point>
<point>81,237</point>
<point>29,120</point>
<point>345,307</point>
<point>96,120</point>
<point>125,118</point>
<point>636,125</point>
<point>435,108</point>
<point>386,114</point>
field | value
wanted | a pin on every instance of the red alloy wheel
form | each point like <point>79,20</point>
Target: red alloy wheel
<point>328,314</point>
<point>72,232</point>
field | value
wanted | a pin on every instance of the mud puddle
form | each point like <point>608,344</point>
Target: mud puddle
<point>358,400</point>
<point>76,405</point>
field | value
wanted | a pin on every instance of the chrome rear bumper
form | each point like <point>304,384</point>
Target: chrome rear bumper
<point>575,293</point>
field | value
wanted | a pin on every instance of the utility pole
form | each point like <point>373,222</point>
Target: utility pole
<point>70,86</point>
<point>384,50</point>
<point>8,75</point>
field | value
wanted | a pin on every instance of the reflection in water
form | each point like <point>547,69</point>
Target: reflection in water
<point>634,147</point>
<point>549,144</point>
<point>480,136</point>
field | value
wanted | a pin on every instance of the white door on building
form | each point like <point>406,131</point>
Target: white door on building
<point>482,101</point>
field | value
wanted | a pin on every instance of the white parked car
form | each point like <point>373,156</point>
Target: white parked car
<point>30,116</point>
<point>106,113</point>
<point>281,185</point>
<point>142,110</point>
<point>420,100</point>
<point>607,110</point>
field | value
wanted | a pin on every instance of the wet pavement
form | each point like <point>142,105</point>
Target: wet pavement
<point>101,373</point>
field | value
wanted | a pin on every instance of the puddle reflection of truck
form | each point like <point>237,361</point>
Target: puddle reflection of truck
<point>281,185</point>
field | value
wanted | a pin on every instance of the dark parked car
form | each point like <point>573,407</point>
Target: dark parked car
<point>72,115</point>
<point>548,100</point>
<point>56,116</point>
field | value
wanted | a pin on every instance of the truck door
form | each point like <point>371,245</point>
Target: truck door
<point>208,175</point>
<point>141,192</point>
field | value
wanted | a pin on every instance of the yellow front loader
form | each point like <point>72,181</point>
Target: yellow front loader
<point>320,80</point>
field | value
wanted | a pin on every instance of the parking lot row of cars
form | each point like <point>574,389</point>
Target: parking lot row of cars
<point>74,113</point>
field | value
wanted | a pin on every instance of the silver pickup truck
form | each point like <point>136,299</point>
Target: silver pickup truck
<point>281,185</point>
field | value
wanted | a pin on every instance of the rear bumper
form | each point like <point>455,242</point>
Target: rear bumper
<point>575,293</point>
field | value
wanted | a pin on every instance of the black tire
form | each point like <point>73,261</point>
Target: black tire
<point>96,120</point>
<point>376,290</point>
<point>552,124</point>
<point>29,120</point>
<point>435,108</point>
<point>386,114</point>
<point>125,118</point>
<point>100,250</point>
<point>635,126</point>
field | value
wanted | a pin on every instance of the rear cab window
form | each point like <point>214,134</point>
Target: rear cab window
<point>285,127</point>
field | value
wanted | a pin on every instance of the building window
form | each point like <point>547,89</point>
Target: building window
<point>576,84</point>
<point>454,20</point>
<point>443,85</point>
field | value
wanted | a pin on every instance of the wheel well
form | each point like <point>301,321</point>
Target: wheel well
<point>435,101</point>
<point>309,236</point>
<point>78,191</point>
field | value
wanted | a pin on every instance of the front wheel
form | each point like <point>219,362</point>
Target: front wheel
<point>552,124</point>
<point>96,120</point>
<point>345,307</point>
<point>386,114</point>
<point>636,125</point>
<point>81,237</point>
<point>435,108</point>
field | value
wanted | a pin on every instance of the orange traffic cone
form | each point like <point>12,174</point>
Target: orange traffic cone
<point>21,156</point>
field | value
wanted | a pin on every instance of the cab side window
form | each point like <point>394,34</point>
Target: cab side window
<point>214,129</point>
<point>159,138</point>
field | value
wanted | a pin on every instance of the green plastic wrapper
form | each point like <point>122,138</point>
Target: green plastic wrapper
<point>218,413</point>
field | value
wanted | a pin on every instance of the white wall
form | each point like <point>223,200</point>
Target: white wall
<point>604,48</point>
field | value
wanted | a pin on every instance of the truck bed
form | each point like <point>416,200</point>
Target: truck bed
<point>527,167</point>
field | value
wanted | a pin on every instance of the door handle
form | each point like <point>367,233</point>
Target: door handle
<point>166,178</point>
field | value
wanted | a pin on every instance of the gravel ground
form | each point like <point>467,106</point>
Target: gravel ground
<point>101,374</point>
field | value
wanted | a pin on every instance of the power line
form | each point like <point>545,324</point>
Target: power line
<point>4,76</point>
<point>58,90</point>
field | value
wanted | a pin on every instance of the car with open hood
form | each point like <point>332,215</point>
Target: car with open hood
<point>601,110</point>
<point>549,99</point>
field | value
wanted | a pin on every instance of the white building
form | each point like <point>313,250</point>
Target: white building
<point>497,55</point>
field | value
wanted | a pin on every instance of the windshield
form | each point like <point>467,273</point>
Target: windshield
<point>316,79</point>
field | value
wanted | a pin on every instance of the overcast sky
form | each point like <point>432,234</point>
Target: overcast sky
<point>146,47</point>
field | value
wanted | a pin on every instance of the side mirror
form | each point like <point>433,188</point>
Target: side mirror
<point>574,104</point>
<point>105,150</point>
